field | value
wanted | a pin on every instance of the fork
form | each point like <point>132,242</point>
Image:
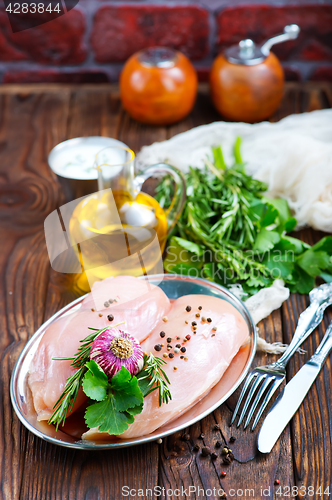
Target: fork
<point>268,378</point>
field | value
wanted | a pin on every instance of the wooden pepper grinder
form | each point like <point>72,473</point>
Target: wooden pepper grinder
<point>247,81</point>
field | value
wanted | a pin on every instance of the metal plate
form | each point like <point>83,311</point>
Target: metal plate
<point>174,286</point>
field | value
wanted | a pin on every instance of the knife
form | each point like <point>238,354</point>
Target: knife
<point>289,400</point>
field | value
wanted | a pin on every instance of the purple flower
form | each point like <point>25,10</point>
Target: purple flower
<point>113,349</point>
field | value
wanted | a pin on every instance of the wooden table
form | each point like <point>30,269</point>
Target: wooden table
<point>33,120</point>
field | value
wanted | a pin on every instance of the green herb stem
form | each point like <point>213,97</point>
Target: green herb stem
<point>157,378</point>
<point>68,397</point>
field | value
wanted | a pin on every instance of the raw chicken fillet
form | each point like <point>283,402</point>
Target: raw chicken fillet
<point>138,303</point>
<point>207,355</point>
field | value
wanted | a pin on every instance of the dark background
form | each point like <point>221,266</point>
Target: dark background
<point>92,40</point>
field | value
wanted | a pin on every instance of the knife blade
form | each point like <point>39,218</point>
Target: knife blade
<point>291,397</point>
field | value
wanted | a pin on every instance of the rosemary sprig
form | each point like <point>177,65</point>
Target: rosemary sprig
<point>156,378</point>
<point>67,399</point>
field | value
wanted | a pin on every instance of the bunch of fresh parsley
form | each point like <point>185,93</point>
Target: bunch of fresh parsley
<point>229,232</point>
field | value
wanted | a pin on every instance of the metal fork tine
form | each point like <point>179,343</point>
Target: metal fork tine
<point>245,387</point>
<point>260,393</point>
<point>266,400</point>
<point>249,397</point>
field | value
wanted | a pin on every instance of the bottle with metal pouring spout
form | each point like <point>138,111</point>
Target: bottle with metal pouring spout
<point>120,230</point>
<point>247,81</point>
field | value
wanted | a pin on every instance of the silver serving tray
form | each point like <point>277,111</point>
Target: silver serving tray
<point>174,286</point>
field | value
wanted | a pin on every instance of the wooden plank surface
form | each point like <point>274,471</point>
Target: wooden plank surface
<point>33,119</point>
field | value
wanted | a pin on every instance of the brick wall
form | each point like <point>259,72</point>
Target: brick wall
<point>90,42</point>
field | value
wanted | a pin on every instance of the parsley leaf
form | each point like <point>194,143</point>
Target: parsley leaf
<point>313,262</point>
<point>107,417</point>
<point>119,399</point>
<point>324,245</point>
<point>289,244</point>
<point>126,391</point>
<point>266,240</point>
<point>281,265</point>
<point>268,217</point>
<point>290,224</point>
<point>303,283</point>
<point>135,410</point>
<point>95,382</point>
<point>284,218</point>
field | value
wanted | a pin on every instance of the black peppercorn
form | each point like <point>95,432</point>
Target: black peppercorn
<point>169,339</point>
<point>206,451</point>
<point>232,439</point>
<point>194,323</point>
<point>196,447</point>
<point>157,347</point>
<point>214,455</point>
<point>188,308</point>
<point>209,320</point>
<point>183,349</point>
<point>200,308</point>
<point>106,304</point>
<point>171,355</point>
<point>162,334</point>
<point>110,317</point>
<point>218,444</point>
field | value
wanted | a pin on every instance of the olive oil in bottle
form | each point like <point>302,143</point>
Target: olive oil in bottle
<point>118,235</point>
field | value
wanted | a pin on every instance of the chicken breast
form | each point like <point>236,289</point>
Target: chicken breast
<point>217,331</point>
<point>138,303</point>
